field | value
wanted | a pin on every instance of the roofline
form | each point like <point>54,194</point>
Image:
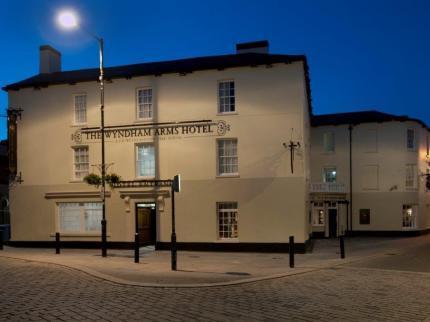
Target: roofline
<point>287,59</point>
<point>394,118</point>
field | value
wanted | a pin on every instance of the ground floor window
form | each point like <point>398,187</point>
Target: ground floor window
<point>318,215</point>
<point>227,220</point>
<point>409,216</point>
<point>364,216</point>
<point>80,216</point>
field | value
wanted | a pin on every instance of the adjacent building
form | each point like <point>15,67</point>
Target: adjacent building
<point>369,172</point>
<point>235,127</point>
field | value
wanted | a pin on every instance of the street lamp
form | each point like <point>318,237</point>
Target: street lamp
<point>68,19</point>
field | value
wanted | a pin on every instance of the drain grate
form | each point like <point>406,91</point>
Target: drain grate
<point>238,273</point>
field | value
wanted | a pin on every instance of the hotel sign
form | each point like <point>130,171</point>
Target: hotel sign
<point>138,132</point>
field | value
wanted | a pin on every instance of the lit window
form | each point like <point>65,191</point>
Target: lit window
<point>411,176</point>
<point>329,174</point>
<point>328,142</point>
<point>145,160</point>
<point>80,217</point>
<point>227,220</point>
<point>410,139</point>
<point>226,97</point>
<point>144,103</point>
<point>81,162</point>
<point>318,217</point>
<point>80,109</point>
<point>364,216</point>
<point>409,216</point>
<point>227,157</point>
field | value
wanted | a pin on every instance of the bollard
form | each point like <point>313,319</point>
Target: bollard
<point>342,247</point>
<point>1,239</point>
<point>104,241</point>
<point>291,251</point>
<point>57,243</point>
<point>174,252</point>
<point>136,248</point>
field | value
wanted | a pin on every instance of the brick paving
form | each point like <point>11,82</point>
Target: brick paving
<point>45,292</point>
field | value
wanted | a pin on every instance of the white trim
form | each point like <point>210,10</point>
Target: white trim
<point>144,119</point>
<point>74,121</point>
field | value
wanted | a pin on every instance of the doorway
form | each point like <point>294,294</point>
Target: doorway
<point>146,223</point>
<point>332,222</point>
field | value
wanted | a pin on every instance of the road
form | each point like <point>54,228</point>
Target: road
<point>376,290</point>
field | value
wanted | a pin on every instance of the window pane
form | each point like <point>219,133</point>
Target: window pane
<point>144,103</point>
<point>81,164</point>
<point>93,216</point>
<point>145,160</point>
<point>226,96</point>
<point>80,108</point>
<point>227,219</point>
<point>227,156</point>
<point>70,216</point>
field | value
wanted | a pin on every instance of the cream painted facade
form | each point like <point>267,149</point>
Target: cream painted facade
<point>271,103</point>
<point>388,178</point>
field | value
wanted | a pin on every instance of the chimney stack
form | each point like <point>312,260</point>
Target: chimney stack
<point>259,47</point>
<point>50,60</point>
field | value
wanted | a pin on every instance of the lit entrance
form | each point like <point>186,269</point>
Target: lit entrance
<point>146,223</point>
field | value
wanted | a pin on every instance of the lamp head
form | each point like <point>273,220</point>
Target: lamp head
<point>68,19</point>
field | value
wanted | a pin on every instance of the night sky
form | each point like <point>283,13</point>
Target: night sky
<point>362,54</point>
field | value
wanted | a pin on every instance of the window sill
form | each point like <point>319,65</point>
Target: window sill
<point>227,240</point>
<point>78,234</point>
<point>140,121</point>
<point>233,175</point>
<point>145,178</point>
<point>227,113</point>
<point>79,125</point>
<point>76,181</point>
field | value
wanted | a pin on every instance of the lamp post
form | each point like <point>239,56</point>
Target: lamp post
<point>69,20</point>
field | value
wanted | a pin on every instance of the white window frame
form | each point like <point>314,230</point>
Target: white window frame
<point>138,104</point>
<point>411,176</point>
<point>409,219</point>
<point>227,221</point>
<point>83,209</point>
<point>414,139</point>
<point>324,171</point>
<point>78,149</point>
<point>76,111</point>
<point>317,208</point>
<point>325,137</point>
<point>226,97</point>
<point>218,157</point>
<point>151,176</point>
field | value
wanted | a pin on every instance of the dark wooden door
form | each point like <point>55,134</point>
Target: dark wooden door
<point>145,225</point>
<point>332,222</point>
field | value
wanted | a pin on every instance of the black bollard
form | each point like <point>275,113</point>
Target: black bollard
<point>174,251</point>
<point>104,241</point>
<point>136,248</point>
<point>342,247</point>
<point>57,243</point>
<point>291,251</point>
<point>1,239</point>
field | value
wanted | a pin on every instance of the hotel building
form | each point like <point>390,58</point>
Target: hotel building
<point>369,173</point>
<point>235,127</point>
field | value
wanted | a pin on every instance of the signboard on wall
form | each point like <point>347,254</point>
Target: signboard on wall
<point>137,132</point>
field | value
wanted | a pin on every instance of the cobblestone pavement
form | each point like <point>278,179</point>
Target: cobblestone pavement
<point>34,291</point>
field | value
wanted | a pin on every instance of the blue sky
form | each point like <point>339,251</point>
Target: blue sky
<point>362,54</point>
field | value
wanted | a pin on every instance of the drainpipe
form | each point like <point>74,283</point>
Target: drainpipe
<point>350,176</point>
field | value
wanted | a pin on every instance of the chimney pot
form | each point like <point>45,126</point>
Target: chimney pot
<point>50,60</point>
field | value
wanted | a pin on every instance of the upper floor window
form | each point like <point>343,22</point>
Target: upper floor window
<point>144,103</point>
<point>226,97</point>
<point>145,160</point>
<point>411,176</point>
<point>227,157</point>
<point>80,102</point>
<point>328,141</point>
<point>81,162</point>
<point>329,174</point>
<point>410,139</point>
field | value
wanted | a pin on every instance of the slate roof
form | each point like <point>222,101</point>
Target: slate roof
<point>181,66</point>
<point>355,118</point>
